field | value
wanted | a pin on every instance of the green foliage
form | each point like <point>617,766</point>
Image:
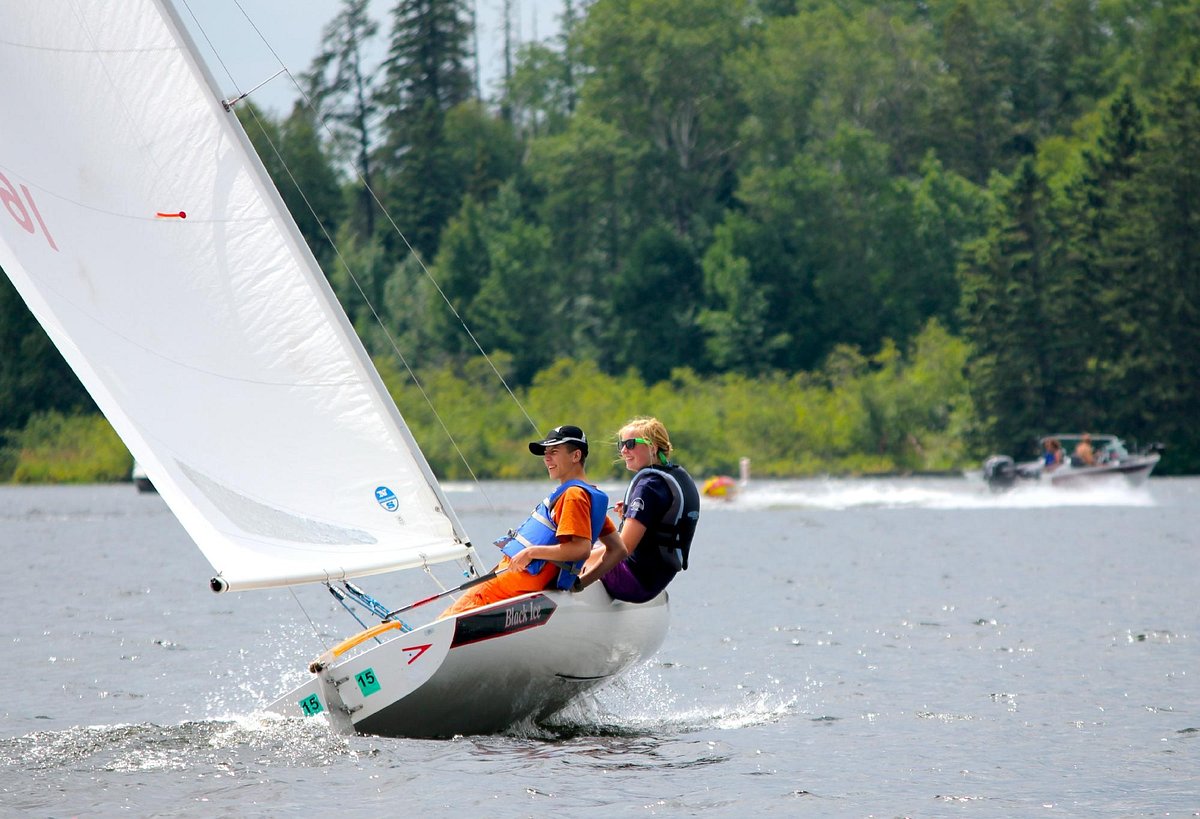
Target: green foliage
<point>56,448</point>
<point>797,191</point>
<point>1008,282</point>
<point>462,265</point>
<point>586,175</point>
<point>528,327</point>
<point>466,423</point>
<point>735,324</point>
<point>33,375</point>
<point>660,74</point>
<point>540,95</point>
<point>1082,303</point>
<point>1159,242</point>
<point>857,415</point>
<point>799,86</point>
<point>483,149</point>
<point>655,299</point>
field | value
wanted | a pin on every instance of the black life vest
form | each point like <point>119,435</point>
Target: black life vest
<point>672,535</point>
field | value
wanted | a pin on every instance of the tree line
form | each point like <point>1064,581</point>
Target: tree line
<point>760,191</point>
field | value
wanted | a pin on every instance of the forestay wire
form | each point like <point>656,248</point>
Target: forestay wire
<point>337,250</point>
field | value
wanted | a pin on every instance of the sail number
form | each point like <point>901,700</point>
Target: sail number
<point>18,210</point>
<point>368,683</point>
<point>311,705</point>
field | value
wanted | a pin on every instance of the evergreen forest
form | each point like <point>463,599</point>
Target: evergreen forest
<point>844,236</point>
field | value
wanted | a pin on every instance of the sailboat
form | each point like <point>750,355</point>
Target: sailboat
<point>144,234</point>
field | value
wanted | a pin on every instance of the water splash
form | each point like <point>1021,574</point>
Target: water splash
<point>935,493</point>
<point>238,744</point>
<point>642,703</point>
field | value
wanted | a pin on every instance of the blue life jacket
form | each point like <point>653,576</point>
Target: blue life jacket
<point>540,529</point>
<point>672,535</point>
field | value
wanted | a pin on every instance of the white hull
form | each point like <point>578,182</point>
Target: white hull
<point>485,669</point>
<point>1135,470</point>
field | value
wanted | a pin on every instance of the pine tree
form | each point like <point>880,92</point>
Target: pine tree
<point>339,86</point>
<point>426,73</point>
<point>1005,314</point>
<point>1158,370</point>
<point>1092,295</point>
<point>976,107</point>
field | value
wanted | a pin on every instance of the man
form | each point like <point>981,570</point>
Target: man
<point>548,549</point>
<point>1084,455</point>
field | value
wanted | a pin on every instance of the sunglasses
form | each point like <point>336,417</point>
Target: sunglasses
<point>630,443</point>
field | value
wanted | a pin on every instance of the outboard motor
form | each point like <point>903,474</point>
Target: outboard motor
<point>1000,472</point>
<point>1032,471</point>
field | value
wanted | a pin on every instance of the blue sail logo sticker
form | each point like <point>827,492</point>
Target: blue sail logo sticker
<point>387,498</point>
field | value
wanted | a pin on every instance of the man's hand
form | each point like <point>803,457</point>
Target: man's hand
<point>521,560</point>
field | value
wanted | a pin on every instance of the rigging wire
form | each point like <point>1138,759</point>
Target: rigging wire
<point>316,631</point>
<point>391,341</point>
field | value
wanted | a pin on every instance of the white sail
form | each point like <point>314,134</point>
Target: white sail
<point>147,239</point>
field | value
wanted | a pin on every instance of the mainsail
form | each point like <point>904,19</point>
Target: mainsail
<point>145,236</point>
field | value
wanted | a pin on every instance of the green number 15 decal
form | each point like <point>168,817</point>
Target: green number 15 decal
<point>311,705</point>
<point>368,683</point>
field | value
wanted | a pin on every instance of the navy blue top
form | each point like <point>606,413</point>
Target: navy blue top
<point>650,500</point>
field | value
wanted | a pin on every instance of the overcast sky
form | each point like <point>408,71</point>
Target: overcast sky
<point>292,30</point>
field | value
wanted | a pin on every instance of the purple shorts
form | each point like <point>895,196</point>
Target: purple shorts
<point>622,585</point>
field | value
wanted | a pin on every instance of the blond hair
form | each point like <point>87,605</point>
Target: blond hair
<point>652,430</point>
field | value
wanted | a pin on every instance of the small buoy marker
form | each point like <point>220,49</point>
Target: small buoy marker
<point>179,215</point>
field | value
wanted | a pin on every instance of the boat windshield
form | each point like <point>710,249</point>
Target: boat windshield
<point>1114,451</point>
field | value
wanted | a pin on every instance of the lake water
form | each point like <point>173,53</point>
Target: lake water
<point>839,648</point>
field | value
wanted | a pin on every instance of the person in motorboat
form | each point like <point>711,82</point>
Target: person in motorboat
<point>658,519</point>
<point>549,548</point>
<point>1084,454</point>
<point>1052,457</point>
<point>1113,452</point>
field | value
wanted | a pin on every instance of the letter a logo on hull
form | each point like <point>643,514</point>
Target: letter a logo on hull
<point>419,649</point>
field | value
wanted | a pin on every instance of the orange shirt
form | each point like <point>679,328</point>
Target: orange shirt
<point>573,514</point>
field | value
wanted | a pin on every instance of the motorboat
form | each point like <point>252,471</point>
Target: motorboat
<point>1112,459</point>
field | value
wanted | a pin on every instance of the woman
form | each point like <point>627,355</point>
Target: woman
<point>658,519</point>
<point>1052,458</point>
